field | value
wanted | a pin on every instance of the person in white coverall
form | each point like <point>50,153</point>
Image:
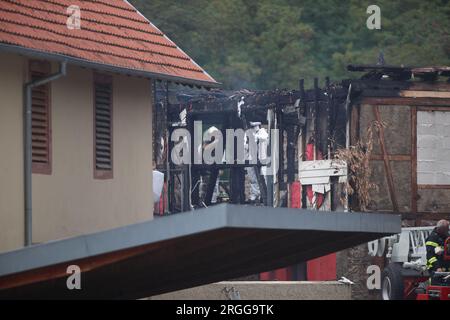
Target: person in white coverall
<point>259,136</point>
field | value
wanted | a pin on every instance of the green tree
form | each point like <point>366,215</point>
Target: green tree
<point>269,44</point>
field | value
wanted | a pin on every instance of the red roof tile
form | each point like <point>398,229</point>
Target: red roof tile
<point>112,33</point>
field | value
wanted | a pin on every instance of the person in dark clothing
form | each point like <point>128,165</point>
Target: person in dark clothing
<point>435,248</point>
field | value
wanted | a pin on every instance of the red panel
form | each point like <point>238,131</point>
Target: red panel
<point>422,296</point>
<point>283,274</point>
<point>160,206</point>
<point>444,292</point>
<point>265,276</point>
<point>296,195</point>
<point>322,269</point>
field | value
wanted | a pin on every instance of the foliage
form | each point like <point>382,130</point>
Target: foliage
<point>357,158</point>
<point>268,44</point>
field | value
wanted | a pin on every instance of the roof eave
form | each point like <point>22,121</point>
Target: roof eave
<point>105,67</point>
<point>165,36</point>
<point>208,245</point>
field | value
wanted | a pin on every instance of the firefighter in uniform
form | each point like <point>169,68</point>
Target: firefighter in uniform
<point>435,248</point>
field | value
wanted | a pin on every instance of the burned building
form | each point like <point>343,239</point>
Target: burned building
<point>409,159</point>
<point>378,143</point>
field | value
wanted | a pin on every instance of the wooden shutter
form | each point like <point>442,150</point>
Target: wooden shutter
<point>103,134</point>
<point>40,113</point>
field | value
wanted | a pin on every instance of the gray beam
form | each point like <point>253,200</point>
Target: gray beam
<point>194,248</point>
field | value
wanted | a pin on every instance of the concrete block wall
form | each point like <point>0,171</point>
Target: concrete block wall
<point>433,147</point>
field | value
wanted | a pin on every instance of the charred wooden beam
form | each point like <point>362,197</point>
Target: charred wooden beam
<point>435,102</point>
<point>195,193</point>
<point>280,174</point>
<point>256,101</point>
<point>315,116</point>
<point>414,193</point>
<point>262,185</point>
<point>291,143</point>
<point>185,189</point>
<point>237,176</point>
<point>211,185</point>
<point>387,165</point>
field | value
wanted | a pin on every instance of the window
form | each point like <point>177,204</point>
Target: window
<point>40,114</point>
<point>103,135</point>
<point>433,147</point>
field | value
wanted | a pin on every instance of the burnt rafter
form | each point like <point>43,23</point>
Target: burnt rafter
<point>317,116</point>
<point>225,109</point>
<point>400,73</point>
<point>255,103</point>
